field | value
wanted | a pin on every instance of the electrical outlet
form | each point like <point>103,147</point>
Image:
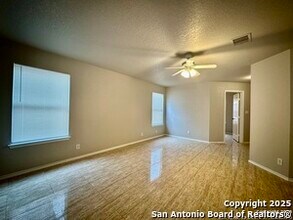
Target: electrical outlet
<point>141,134</point>
<point>279,161</point>
<point>77,146</point>
<point>188,132</point>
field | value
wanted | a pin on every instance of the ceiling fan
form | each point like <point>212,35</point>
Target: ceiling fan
<point>189,68</point>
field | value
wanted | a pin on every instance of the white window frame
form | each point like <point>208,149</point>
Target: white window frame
<point>43,140</point>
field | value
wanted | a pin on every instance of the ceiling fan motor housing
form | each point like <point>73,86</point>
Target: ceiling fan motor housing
<point>188,63</point>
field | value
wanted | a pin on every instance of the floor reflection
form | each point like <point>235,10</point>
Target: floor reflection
<point>156,164</point>
<point>235,155</point>
<point>59,204</point>
<point>234,149</point>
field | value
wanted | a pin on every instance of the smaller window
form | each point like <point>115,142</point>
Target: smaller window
<point>157,109</point>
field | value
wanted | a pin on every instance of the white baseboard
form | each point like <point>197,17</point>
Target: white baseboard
<point>21,172</point>
<point>217,142</point>
<point>271,171</point>
<point>185,138</point>
<point>193,139</point>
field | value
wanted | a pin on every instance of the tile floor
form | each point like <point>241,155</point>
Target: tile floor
<point>164,174</point>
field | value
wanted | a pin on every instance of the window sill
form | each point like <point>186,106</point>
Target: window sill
<point>157,125</point>
<point>37,142</point>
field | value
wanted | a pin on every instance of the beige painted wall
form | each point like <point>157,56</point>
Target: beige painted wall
<point>107,109</point>
<point>217,93</point>
<point>188,109</point>
<point>229,112</point>
<point>270,112</point>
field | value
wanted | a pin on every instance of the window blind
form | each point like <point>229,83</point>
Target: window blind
<point>40,105</point>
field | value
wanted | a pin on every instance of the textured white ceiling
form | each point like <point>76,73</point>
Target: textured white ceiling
<point>141,37</point>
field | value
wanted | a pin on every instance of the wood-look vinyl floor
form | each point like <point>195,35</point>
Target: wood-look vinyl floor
<point>165,174</point>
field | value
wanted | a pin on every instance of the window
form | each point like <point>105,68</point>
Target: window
<point>40,105</point>
<point>157,109</point>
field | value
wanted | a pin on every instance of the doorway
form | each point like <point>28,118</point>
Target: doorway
<point>234,115</point>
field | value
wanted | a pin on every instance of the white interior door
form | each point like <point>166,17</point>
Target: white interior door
<point>236,117</point>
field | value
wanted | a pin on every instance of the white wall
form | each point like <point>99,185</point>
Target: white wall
<point>199,108</point>
<point>188,109</point>
<point>270,112</point>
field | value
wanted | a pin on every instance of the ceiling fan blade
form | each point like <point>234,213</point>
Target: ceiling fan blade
<point>173,67</point>
<point>189,54</point>
<point>205,66</point>
<point>178,72</point>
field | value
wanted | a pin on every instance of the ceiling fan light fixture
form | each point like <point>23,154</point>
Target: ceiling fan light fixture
<point>196,73</point>
<point>185,74</point>
<point>188,68</point>
<point>189,73</point>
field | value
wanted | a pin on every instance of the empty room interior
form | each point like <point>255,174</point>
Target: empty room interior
<point>146,109</point>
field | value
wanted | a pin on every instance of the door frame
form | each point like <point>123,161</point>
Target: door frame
<point>241,92</point>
